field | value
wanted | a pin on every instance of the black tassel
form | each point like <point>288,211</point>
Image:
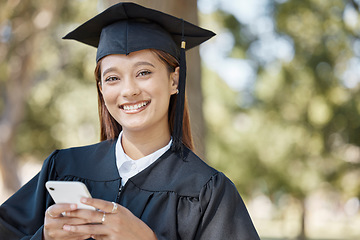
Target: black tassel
<point>180,99</point>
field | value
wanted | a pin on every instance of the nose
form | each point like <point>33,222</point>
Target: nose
<point>130,88</point>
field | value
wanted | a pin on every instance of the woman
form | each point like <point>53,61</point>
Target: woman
<point>144,178</point>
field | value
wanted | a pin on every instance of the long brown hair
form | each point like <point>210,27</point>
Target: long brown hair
<point>110,128</point>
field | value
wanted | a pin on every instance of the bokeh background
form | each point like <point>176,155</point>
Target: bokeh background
<point>276,108</point>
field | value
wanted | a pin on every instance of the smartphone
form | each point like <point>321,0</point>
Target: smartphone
<point>68,192</point>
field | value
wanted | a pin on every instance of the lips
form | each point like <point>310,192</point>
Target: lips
<point>134,107</point>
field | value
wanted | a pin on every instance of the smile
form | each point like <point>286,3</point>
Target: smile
<point>134,107</point>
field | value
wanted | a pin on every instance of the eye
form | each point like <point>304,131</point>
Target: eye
<point>143,73</point>
<point>111,79</point>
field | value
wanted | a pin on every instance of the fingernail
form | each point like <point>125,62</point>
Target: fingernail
<point>66,227</point>
<point>83,200</point>
<point>73,206</point>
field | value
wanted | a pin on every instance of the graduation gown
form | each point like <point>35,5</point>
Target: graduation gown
<point>177,197</point>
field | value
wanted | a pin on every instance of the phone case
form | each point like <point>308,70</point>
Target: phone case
<point>68,192</point>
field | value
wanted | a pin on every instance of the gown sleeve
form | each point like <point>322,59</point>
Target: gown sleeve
<point>224,213</point>
<point>22,215</point>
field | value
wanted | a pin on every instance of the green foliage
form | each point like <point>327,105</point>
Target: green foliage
<point>301,130</point>
<point>61,102</point>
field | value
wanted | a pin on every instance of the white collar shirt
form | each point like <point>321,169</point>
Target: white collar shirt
<point>128,167</point>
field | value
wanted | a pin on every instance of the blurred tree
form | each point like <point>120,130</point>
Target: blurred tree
<point>299,129</point>
<point>22,27</point>
<point>35,120</point>
<point>187,10</point>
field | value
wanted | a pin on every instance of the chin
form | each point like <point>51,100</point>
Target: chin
<point>133,127</point>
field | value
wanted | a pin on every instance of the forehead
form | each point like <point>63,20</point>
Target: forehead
<point>143,57</point>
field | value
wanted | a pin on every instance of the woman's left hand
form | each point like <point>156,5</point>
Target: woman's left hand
<point>115,222</point>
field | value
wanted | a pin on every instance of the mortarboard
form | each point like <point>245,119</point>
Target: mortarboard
<point>127,27</point>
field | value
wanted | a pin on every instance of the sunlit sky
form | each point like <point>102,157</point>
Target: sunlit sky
<point>239,73</point>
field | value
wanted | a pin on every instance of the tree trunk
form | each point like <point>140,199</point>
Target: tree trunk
<point>14,95</point>
<point>20,54</point>
<point>186,9</point>
<point>302,234</point>
<point>15,101</point>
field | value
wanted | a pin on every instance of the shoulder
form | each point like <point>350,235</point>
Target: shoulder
<point>84,161</point>
<point>80,152</point>
<point>194,169</point>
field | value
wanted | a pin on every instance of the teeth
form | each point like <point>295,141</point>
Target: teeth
<point>134,107</point>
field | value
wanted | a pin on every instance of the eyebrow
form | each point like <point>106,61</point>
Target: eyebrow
<point>109,70</point>
<point>143,63</point>
<point>135,65</point>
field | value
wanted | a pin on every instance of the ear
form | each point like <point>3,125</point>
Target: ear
<point>100,87</point>
<point>174,78</point>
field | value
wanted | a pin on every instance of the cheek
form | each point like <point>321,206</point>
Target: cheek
<point>109,95</point>
<point>164,87</point>
<point>162,92</point>
<point>164,99</point>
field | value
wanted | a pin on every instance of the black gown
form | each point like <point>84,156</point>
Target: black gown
<point>178,198</point>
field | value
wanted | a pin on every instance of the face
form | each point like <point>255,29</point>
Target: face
<point>136,89</point>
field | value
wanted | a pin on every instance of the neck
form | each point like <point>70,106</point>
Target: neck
<point>139,144</point>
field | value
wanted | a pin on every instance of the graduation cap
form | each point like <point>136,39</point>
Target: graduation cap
<point>128,27</point>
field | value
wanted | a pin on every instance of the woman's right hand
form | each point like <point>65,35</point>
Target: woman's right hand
<point>55,220</point>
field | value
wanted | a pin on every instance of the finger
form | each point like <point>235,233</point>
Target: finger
<point>90,216</point>
<point>59,233</point>
<point>98,237</point>
<point>95,230</point>
<point>73,221</point>
<point>56,210</point>
<point>103,205</point>
<point>55,224</point>
<point>115,207</point>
